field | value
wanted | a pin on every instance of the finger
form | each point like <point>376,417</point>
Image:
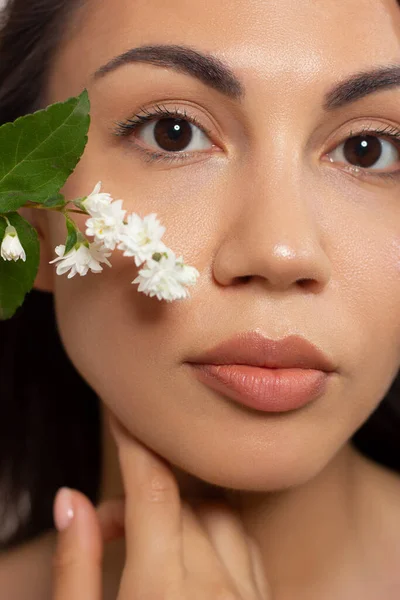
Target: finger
<point>259,571</point>
<point>227,533</point>
<point>153,527</point>
<point>77,562</point>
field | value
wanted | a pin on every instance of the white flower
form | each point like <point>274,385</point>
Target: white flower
<point>165,278</point>
<point>11,248</point>
<point>107,224</point>
<point>81,259</point>
<point>141,238</point>
<point>184,273</point>
<point>96,200</point>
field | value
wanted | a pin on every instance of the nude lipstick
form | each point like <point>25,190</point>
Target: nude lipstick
<point>264,374</point>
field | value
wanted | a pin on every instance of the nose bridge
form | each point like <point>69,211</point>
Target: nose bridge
<point>276,167</point>
<point>281,208</point>
<point>274,233</point>
<point>282,214</point>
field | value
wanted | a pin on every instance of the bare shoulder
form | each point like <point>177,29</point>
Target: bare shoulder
<point>26,571</point>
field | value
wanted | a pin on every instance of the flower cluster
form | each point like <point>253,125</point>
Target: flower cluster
<point>163,275</point>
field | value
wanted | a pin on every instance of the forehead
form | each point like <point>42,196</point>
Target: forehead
<point>290,41</point>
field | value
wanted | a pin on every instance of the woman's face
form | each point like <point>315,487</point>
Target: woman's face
<point>286,239</point>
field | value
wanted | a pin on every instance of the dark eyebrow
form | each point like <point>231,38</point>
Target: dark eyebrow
<point>218,75</point>
<point>205,67</point>
<point>362,84</point>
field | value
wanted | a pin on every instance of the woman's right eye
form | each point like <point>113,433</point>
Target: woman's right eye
<point>167,135</point>
<point>174,135</point>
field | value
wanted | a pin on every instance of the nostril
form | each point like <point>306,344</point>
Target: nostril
<point>245,278</point>
<point>309,285</point>
<point>307,282</point>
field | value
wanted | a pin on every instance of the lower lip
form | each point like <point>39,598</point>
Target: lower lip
<point>269,390</point>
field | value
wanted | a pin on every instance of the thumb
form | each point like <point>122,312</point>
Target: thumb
<point>77,562</point>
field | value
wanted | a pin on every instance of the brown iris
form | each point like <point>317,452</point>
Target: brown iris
<point>363,150</point>
<point>173,135</point>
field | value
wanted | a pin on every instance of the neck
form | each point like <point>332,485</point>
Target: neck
<point>307,534</point>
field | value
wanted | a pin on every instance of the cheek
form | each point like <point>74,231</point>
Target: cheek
<point>387,294</point>
<point>369,316</point>
<point>57,230</point>
<point>393,255</point>
<point>377,300</point>
<point>114,335</point>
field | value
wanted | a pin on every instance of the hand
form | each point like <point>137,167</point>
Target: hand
<point>174,551</point>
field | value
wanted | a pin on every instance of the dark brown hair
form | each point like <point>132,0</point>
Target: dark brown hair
<point>50,418</point>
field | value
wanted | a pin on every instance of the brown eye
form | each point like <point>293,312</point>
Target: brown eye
<point>173,135</point>
<point>366,151</point>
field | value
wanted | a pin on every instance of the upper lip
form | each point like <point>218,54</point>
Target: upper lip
<point>252,348</point>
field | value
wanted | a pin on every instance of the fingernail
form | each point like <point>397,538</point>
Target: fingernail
<point>63,510</point>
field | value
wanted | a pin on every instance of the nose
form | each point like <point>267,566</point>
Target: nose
<point>274,238</point>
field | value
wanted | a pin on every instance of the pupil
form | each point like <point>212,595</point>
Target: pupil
<point>363,150</point>
<point>173,135</point>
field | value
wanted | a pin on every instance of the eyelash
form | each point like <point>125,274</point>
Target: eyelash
<point>391,132</point>
<point>125,128</point>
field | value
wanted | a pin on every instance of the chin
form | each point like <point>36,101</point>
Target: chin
<point>272,471</point>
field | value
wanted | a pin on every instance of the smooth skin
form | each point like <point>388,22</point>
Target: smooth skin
<point>287,241</point>
<point>174,551</point>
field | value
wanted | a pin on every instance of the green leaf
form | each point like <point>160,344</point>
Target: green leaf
<point>55,201</point>
<point>17,277</point>
<point>72,235</point>
<point>39,151</point>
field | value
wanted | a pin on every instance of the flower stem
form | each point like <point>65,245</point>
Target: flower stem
<point>56,208</point>
<point>80,212</point>
<point>39,206</point>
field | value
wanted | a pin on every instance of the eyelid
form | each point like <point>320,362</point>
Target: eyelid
<point>125,128</point>
<point>364,130</point>
<point>391,132</point>
<point>137,119</point>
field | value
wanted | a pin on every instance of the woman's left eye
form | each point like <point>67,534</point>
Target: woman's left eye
<point>172,135</point>
<point>367,152</point>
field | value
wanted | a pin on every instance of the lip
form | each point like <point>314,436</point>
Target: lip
<point>252,348</point>
<point>265,374</point>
